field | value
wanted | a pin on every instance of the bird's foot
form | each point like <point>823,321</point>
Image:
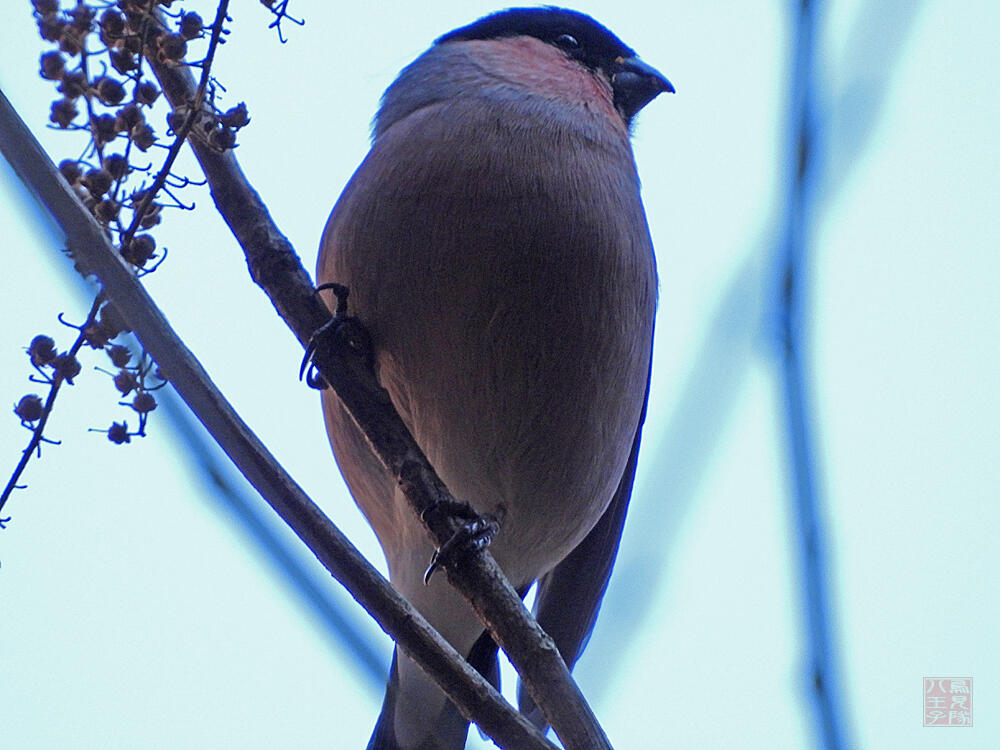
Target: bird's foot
<point>340,330</point>
<point>475,532</point>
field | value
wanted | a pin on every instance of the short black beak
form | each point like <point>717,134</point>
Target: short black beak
<point>636,84</point>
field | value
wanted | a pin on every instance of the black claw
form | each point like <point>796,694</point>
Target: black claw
<point>473,535</point>
<point>311,347</point>
<point>341,327</point>
<point>340,291</point>
<point>315,380</point>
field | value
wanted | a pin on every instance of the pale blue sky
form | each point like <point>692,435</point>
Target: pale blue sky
<point>134,613</point>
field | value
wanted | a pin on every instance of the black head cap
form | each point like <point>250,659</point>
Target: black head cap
<point>583,39</point>
<point>595,45</point>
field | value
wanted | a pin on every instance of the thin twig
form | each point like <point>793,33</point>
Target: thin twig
<point>37,432</point>
<point>280,12</point>
<point>181,133</point>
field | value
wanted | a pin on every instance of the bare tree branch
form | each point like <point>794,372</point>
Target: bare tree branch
<point>94,254</point>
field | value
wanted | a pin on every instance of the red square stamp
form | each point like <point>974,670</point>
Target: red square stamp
<point>947,701</point>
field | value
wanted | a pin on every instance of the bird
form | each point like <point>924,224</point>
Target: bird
<point>496,249</point>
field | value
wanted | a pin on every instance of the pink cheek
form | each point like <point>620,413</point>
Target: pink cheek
<point>542,68</point>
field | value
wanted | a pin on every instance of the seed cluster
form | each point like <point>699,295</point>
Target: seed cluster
<point>99,64</point>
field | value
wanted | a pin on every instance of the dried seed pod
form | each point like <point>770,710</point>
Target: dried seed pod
<point>70,170</point>
<point>70,41</point>
<point>128,117</point>
<point>112,24</point>
<point>50,28</point>
<point>116,165</point>
<point>146,93</point>
<point>151,217</point>
<point>81,17</point>
<point>104,129</point>
<point>126,382</point>
<point>51,66</point>
<point>118,433</point>
<point>63,112</point>
<point>97,181</point>
<point>29,408</point>
<point>132,43</point>
<point>172,47</point>
<point>191,25</point>
<point>143,137</point>
<point>123,61</point>
<point>42,350</point>
<point>45,7</point>
<point>176,118</point>
<point>73,85</point>
<point>67,365</point>
<point>119,355</point>
<point>112,321</point>
<point>144,402</point>
<point>106,211</point>
<point>109,91</point>
<point>235,117</point>
<point>140,250</point>
<point>93,335</point>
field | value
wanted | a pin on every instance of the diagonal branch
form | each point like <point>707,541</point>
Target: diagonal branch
<point>94,254</point>
<point>274,265</point>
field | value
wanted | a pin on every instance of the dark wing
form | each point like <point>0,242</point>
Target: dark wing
<point>570,595</point>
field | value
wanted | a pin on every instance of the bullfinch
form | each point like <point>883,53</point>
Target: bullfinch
<point>496,248</point>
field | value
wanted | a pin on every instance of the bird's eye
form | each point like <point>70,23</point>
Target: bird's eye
<point>567,41</point>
